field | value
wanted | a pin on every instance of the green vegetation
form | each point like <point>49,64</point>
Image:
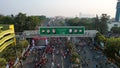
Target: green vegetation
<point>111,46</point>
<point>101,23</point>
<point>62,23</point>
<point>3,63</point>
<point>12,52</point>
<point>100,38</point>
<point>22,22</point>
<point>75,57</point>
<point>87,22</point>
<point>4,27</point>
<point>96,23</point>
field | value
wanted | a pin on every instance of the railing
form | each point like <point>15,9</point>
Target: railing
<point>5,32</point>
<point>6,44</point>
<point>6,38</point>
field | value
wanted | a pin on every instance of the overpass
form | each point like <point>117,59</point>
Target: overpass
<point>36,33</point>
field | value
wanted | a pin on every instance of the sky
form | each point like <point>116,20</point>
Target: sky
<point>51,8</point>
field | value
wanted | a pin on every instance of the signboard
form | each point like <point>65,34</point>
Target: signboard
<point>62,31</point>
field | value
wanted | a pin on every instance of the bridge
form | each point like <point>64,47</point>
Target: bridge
<point>36,33</point>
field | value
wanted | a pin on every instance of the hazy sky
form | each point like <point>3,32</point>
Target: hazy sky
<point>67,8</point>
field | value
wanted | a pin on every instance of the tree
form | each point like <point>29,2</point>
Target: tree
<point>3,63</point>
<point>86,22</point>
<point>73,22</point>
<point>6,20</point>
<point>9,53</point>
<point>100,38</point>
<point>104,20</point>
<point>97,23</point>
<point>23,22</point>
<point>111,46</point>
<point>75,58</point>
<point>101,24</point>
<point>12,52</point>
<point>20,21</point>
<point>42,17</point>
<point>23,43</point>
<point>32,22</point>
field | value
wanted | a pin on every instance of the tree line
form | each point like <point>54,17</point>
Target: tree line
<point>22,21</point>
<point>12,52</point>
<point>111,46</point>
<point>96,23</point>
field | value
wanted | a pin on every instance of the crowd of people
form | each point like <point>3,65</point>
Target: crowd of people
<point>53,49</point>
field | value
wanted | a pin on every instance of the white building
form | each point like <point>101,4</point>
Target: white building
<point>113,24</point>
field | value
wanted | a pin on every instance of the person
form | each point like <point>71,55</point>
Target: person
<point>58,65</point>
<point>52,65</point>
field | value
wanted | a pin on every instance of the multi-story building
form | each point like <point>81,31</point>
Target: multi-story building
<point>117,17</point>
<point>116,23</point>
<point>7,36</point>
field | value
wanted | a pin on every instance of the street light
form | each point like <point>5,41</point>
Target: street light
<point>75,30</point>
<point>70,30</point>
<point>43,31</point>
<point>53,30</point>
<point>80,30</point>
<point>48,31</point>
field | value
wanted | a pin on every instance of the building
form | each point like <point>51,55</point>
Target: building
<point>116,23</point>
<point>117,17</point>
<point>7,36</point>
<point>113,24</point>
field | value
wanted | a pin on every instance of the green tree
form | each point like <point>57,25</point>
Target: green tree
<point>12,52</point>
<point>32,22</point>
<point>9,53</point>
<point>20,21</point>
<point>23,22</point>
<point>6,20</point>
<point>110,47</point>
<point>23,43</point>
<point>3,63</point>
<point>72,22</point>
<point>101,24</point>
<point>87,22</point>
<point>75,58</point>
<point>97,23</point>
<point>104,20</point>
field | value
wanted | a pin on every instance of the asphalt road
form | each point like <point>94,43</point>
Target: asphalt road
<point>54,59</point>
<point>90,58</point>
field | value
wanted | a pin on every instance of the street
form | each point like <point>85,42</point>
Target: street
<point>55,54</point>
<point>57,57</point>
